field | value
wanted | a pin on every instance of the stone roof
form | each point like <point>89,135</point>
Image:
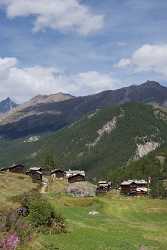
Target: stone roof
<point>128,182</point>
<point>71,173</point>
<point>35,169</point>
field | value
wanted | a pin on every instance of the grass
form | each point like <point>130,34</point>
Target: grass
<point>58,186</point>
<point>12,185</point>
<point>122,224</point>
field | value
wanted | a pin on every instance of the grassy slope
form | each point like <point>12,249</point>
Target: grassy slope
<point>122,224</point>
<point>12,185</point>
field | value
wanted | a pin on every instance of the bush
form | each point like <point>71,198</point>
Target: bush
<point>42,215</point>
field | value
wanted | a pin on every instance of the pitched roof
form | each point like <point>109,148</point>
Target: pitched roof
<point>35,169</point>
<point>74,175</point>
<point>128,182</point>
<point>70,172</point>
<point>57,169</point>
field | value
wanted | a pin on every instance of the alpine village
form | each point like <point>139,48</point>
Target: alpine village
<point>106,168</point>
<point>83,124</point>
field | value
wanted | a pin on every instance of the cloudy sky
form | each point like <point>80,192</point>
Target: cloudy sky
<point>80,46</point>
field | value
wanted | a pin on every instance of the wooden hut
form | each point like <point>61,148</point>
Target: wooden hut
<point>58,173</point>
<point>134,187</point>
<point>15,168</point>
<point>76,178</point>
<point>35,174</point>
<point>103,187</point>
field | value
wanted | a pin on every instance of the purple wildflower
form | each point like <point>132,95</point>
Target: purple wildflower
<point>10,242</point>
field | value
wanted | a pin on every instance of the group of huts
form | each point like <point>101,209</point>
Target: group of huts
<point>128,187</point>
<point>36,173</point>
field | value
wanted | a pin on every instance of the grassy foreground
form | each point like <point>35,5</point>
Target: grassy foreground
<point>12,185</point>
<point>122,224</point>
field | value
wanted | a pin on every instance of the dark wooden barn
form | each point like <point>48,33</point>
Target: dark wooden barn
<point>17,168</point>
<point>35,174</point>
<point>103,186</point>
<point>76,178</point>
<point>134,187</point>
<point>59,173</point>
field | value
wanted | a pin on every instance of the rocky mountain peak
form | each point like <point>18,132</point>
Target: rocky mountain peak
<point>151,84</point>
<point>6,105</point>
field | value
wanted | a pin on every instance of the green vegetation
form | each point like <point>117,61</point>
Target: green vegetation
<point>154,165</point>
<point>122,223</point>
<point>41,214</point>
<point>26,214</point>
<point>110,155</point>
<point>12,185</point>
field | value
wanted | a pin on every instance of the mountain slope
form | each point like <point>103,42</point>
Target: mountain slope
<point>51,116</point>
<point>100,142</point>
<point>7,105</point>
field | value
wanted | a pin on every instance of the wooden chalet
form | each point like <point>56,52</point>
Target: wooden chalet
<point>103,187</point>
<point>70,173</point>
<point>76,178</point>
<point>35,173</point>
<point>15,168</point>
<point>58,173</point>
<point>134,187</point>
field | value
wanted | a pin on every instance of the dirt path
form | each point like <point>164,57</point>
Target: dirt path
<point>44,186</point>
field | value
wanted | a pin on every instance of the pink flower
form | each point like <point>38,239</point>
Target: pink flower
<point>10,242</point>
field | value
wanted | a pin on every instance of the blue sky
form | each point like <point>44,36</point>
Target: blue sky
<point>80,47</point>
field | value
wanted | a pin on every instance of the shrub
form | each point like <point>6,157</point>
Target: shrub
<point>42,215</point>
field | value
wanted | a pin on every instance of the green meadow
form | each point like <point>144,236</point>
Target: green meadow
<point>121,224</point>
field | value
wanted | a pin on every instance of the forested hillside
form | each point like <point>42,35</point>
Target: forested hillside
<point>101,142</point>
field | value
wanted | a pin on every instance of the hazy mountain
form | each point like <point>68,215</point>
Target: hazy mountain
<point>43,114</point>
<point>40,99</point>
<point>7,105</point>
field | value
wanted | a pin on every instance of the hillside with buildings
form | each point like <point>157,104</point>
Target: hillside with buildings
<point>81,217</point>
<point>102,143</point>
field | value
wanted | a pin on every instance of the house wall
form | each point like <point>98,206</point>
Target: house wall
<point>76,178</point>
<point>17,169</point>
<point>59,174</point>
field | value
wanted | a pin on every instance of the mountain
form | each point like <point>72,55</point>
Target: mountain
<point>103,142</point>
<point>41,99</point>
<point>7,105</point>
<point>36,116</point>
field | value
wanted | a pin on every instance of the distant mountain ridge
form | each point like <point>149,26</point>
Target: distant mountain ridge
<point>44,114</point>
<point>39,99</point>
<point>7,105</point>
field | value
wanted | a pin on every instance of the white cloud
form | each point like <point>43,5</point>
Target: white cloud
<point>93,81</point>
<point>147,58</point>
<point>63,15</point>
<point>23,83</point>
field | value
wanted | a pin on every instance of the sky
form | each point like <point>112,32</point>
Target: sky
<point>80,47</point>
